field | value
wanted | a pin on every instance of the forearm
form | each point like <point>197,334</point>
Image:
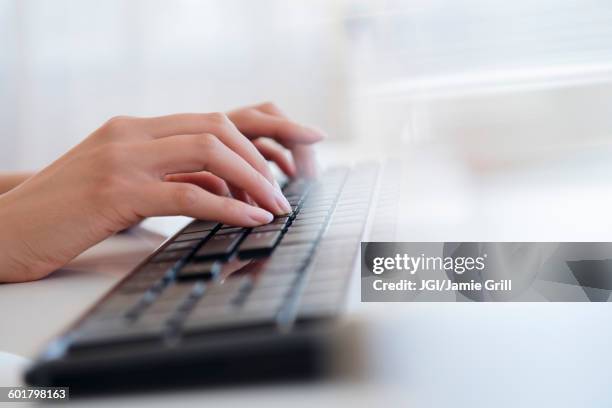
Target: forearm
<point>9,181</point>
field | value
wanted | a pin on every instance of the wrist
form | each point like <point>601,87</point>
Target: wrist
<point>18,262</point>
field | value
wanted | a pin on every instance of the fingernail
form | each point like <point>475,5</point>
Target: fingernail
<point>260,216</point>
<point>282,203</point>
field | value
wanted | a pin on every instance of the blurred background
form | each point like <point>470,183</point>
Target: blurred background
<point>497,81</point>
<point>502,106</point>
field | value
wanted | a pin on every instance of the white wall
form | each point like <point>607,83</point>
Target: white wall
<point>68,65</point>
<point>379,71</point>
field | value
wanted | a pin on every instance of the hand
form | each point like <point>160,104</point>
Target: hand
<point>129,169</point>
<point>272,132</point>
<point>274,135</point>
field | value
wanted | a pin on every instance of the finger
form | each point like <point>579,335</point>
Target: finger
<point>195,153</point>
<point>214,123</point>
<point>305,162</point>
<point>270,109</point>
<point>254,123</point>
<point>168,198</point>
<point>272,151</point>
<point>204,179</point>
<point>241,195</point>
<point>304,158</point>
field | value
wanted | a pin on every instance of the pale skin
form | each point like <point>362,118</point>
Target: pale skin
<point>210,166</point>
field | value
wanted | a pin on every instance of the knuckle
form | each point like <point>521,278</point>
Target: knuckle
<point>218,118</point>
<point>185,196</point>
<point>207,145</point>
<point>206,141</point>
<point>117,124</point>
<point>268,105</point>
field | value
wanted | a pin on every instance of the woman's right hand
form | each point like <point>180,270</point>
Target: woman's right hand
<point>122,173</point>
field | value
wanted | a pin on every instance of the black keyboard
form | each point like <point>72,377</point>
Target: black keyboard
<point>217,284</point>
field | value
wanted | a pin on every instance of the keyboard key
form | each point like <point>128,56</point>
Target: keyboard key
<point>243,292</point>
<point>322,284</point>
<point>268,227</point>
<point>309,221</point>
<point>259,314</point>
<point>200,235</point>
<point>137,286</point>
<point>259,244</point>
<point>230,230</point>
<point>299,237</point>
<point>117,304</point>
<point>165,256</point>
<point>306,228</point>
<point>281,221</point>
<point>297,188</point>
<point>175,246</point>
<point>152,271</point>
<point>305,248</point>
<point>93,338</point>
<point>230,320</point>
<point>170,298</point>
<point>198,226</point>
<point>320,215</point>
<point>155,316</point>
<point>294,201</point>
<point>219,246</point>
<point>199,270</point>
<point>264,306</point>
<point>318,205</point>
<point>347,219</point>
<point>261,293</point>
<point>272,280</point>
<point>319,297</point>
<point>217,302</point>
<point>313,201</point>
<point>230,286</point>
<point>310,213</point>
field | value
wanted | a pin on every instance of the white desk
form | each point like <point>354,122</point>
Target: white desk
<point>454,354</point>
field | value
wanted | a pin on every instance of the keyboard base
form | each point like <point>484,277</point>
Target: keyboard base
<point>206,361</point>
<point>201,310</point>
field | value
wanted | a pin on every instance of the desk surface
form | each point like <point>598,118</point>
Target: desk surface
<point>424,354</point>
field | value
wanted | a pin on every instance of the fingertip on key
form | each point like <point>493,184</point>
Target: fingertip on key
<point>260,216</point>
<point>283,205</point>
